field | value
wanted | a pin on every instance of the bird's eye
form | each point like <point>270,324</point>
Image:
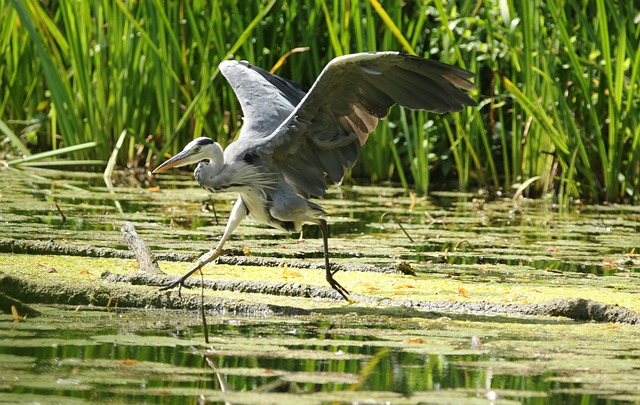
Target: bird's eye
<point>196,149</point>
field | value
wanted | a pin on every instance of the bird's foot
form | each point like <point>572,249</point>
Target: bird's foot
<point>177,283</point>
<point>336,286</point>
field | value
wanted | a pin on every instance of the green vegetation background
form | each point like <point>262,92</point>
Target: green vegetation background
<point>557,84</point>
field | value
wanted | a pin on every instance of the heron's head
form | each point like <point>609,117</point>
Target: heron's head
<point>197,150</point>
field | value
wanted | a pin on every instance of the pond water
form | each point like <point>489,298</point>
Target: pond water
<point>465,248</point>
<point>89,356</point>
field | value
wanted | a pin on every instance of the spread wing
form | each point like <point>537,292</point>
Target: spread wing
<point>323,135</point>
<point>266,99</point>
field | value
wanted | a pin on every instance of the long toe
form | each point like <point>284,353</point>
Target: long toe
<point>336,286</point>
<point>170,285</point>
<point>176,283</point>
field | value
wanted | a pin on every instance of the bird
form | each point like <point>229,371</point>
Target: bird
<point>292,144</point>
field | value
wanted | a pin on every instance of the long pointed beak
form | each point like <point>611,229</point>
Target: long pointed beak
<point>174,161</point>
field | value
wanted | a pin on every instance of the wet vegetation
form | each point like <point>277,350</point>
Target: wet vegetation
<point>467,312</point>
<point>127,357</point>
<point>557,83</point>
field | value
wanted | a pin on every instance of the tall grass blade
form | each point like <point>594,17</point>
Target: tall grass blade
<point>66,115</point>
<point>52,153</point>
<point>392,26</point>
<point>15,140</point>
<point>538,114</point>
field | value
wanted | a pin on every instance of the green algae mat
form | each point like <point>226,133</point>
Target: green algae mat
<point>455,299</point>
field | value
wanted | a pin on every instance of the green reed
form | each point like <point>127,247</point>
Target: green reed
<point>557,83</point>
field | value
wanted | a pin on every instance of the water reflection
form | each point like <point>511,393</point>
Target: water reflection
<point>63,362</point>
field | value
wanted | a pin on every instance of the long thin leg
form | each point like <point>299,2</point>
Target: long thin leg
<point>332,282</point>
<point>238,213</point>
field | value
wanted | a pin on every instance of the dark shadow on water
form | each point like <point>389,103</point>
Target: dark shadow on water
<point>398,312</point>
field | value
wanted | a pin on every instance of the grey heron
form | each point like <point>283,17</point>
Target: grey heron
<point>292,144</point>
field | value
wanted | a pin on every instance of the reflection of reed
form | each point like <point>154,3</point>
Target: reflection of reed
<point>224,385</point>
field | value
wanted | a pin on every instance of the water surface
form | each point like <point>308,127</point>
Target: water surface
<point>465,248</point>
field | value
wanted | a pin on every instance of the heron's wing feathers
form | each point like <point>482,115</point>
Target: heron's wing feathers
<point>325,132</point>
<point>266,99</point>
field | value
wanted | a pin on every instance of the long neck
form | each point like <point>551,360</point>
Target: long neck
<point>216,159</point>
<point>211,166</point>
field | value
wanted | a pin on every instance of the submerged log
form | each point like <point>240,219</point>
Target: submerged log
<point>113,287</point>
<point>147,263</point>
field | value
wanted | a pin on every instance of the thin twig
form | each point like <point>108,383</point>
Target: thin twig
<point>398,223</point>
<point>64,218</point>
<point>215,213</point>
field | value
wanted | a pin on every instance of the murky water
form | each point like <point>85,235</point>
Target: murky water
<point>463,248</point>
<point>89,356</point>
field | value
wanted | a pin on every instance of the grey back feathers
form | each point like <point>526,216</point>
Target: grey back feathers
<point>309,138</point>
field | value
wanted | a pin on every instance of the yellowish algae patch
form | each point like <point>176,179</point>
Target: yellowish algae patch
<point>83,271</point>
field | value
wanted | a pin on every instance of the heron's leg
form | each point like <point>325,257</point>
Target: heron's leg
<point>238,213</point>
<point>332,282</point>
